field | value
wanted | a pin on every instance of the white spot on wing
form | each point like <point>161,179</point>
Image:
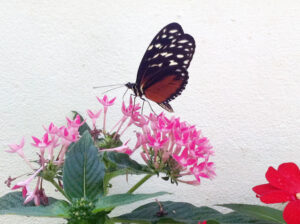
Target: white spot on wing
<point>158,45</point>
<point>186,62</point>
<point>150,47</point>
<point>155,56</point>
<point>182,41</point>
<point>180,55</point>
<point>172,62</point>
<point>173,31</point>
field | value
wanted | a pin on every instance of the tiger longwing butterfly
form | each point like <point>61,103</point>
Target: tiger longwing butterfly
<point>162,74</point>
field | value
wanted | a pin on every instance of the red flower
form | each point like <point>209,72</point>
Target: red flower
<point>204,222</point>
<point>283,186</point>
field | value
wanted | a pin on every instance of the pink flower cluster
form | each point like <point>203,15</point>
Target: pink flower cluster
<point>164,140</point>
<point>54,137</point>
<point>168,143</point>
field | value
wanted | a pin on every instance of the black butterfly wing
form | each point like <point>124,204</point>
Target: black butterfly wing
<point>169,54</point>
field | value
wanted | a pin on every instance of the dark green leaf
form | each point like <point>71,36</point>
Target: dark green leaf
<point>13,204</point>
<point>115,200</point>
<point>116,161</point>
<point>83,127</point>
<point>175,212</point>
<point>83,173</point>
<point>238,218</point>
<point>257,212</point>
<point>120,164</point>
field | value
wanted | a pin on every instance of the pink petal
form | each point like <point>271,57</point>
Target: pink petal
<point>36,140</point>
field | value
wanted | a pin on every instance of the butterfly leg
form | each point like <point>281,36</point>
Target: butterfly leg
<point>149,104</point>
<point>133,102</point>
<point>125,94</point>
<point>143,107</point>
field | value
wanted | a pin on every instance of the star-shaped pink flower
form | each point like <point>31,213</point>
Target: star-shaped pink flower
<point>105,101</point>
<point>15,148</point>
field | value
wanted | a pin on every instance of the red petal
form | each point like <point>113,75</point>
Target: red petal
<point>291,212</point>
<point>277,180</point>
<point>275,197</point>
<point>263,189</point>
<point>291,172</point>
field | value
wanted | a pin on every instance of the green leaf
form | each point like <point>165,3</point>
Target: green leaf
<point>257,212</point>
<point>120,164</point>
<point>175,212</point>
<point>13,204</point>
<point>108,202</point>
<point>116,161</point>
<point>83,127</point>
<point>238,218</point>
<point>83,173</point>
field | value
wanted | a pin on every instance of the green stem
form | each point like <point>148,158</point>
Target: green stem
<point>60,189</point>
<point>138,184</point>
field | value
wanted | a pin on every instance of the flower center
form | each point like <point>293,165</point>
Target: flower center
<point>298,196</point>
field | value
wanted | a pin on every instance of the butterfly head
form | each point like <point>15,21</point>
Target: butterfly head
<point>134,88</point>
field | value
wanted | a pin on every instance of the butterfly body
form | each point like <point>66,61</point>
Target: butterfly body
<point>162,74</point>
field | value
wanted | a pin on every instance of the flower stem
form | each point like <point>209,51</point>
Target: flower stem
<point>60,189</point>
<point>138,184</point>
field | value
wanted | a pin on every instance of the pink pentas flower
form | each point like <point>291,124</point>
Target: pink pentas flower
<point>94,116</point>
<point>32,195</point>
<point>68,135</point>
<point>38,195</point>
<point>76,122</point>
<point>105,101</point>
<point>184,159</point>
<point>204,169</point>
<point>156,141</point>
<point>24,184</point>
<point>181,138</point>
<point>141,140</point>
<point>17,148</point>
<point>52,129</point>
<point>43,143</point>
<point>130,109</point>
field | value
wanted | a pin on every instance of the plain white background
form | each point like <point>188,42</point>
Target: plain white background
<point>243,91</point>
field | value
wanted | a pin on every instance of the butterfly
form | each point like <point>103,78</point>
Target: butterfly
<point>162,74</point>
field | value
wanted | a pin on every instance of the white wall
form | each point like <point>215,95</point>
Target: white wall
<point>243,90</point>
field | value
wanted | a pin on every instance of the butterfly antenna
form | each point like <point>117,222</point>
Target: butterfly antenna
<point>113,89</point>
<point>96,87</point>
